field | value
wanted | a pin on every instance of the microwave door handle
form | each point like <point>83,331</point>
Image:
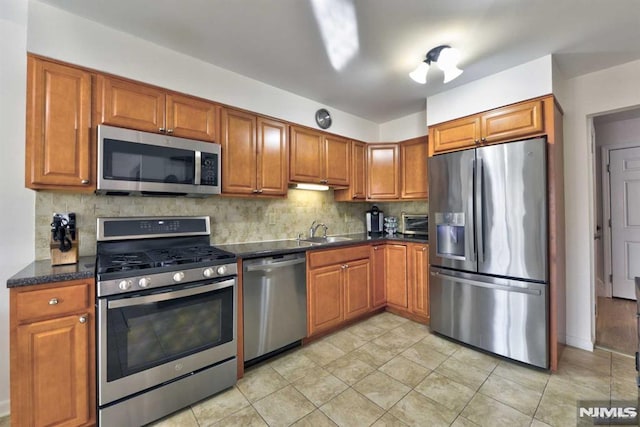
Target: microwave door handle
<point>197,177</point>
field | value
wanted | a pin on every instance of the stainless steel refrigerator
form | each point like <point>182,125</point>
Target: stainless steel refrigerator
<point>488,249</point>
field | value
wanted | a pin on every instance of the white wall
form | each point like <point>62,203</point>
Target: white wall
<point>16,203</point>
<point>407,127</point>
<point>60,35</point>
<point>592,94</point>
<point>525,81</point>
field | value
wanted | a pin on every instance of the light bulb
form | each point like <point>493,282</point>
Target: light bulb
<point>419,75</point>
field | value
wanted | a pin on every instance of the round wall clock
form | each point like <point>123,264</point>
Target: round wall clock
<point>323,118</point>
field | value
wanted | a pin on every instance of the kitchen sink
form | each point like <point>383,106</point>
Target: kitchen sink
<point>324,240</point>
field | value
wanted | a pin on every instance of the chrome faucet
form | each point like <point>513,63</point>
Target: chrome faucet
<point>314,228</point>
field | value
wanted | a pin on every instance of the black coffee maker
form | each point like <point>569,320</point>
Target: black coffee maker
<point>375,220</point>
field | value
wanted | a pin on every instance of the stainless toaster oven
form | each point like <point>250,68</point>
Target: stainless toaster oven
<point>416,224</point>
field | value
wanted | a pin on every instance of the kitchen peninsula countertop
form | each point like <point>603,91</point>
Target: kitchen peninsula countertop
<point>41,272</point>
<point>279,247</point>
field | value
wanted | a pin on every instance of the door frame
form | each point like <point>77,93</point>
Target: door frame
<point>606,210</point>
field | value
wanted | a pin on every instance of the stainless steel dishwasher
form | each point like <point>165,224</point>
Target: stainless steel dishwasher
<point>275,304</point>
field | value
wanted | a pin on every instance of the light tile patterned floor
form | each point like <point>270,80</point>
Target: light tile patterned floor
<point>388,371</point>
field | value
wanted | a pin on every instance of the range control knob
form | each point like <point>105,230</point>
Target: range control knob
<point>144,282</point>
<point>208,272</point>
<point>124,285</point>
<point>178,276</point>
<point>222,270</point>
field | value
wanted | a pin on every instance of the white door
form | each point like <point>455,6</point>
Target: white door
<point>624,166</point>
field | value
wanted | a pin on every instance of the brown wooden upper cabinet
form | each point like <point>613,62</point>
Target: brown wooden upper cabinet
<point>501,124</point>
<point>148,108</point>
<point>59,141</point>
<point>254,154</point>
<point>413,159</point>
<point>319,158</point>
<point>383,171</point>
<point>357,189</point>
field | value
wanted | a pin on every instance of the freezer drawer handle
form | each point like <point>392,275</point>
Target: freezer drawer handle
<point>273,266</point>
<point>488,285</point>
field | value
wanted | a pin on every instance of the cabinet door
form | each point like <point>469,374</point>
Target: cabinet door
<point>357,288</point>
<point>455,134</point>
<point>58,143</point>
<point>396,276</point>
<point>418,275</point>
<point>378,285</point>
<point>359,170</point>
<point>239,158</point>
<point>307,151</point>
<point>130,105</point>
<point>189,117</point>
<point>383,170</point>
<point>512,122</point>
<point>324,289</point>
<point>53,366</point>
<point>337,161</point>
<point>358,184</point>
<point>413,156</point>
<point>273,158</point>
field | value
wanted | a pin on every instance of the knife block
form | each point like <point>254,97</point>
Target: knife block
<point>62,258</point>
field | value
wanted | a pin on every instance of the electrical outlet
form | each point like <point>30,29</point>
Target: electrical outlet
<point>272,218</point>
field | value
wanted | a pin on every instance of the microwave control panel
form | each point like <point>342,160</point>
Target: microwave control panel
<point>209,169</point>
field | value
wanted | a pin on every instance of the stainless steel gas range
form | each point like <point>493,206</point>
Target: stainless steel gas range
<point>166,304</point>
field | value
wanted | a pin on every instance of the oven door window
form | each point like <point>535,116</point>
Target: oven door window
<point>141,336</point>
<point>127,161</point>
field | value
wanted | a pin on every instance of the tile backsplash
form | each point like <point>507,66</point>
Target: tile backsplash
<point>233,220</point>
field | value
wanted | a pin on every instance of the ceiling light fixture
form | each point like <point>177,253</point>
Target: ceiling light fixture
<point>447,59</point>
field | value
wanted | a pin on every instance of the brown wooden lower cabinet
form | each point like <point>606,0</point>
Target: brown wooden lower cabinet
<point>52,333</point>
<point>406,276</point>
<point>418,278</point>
<point>338,287</point>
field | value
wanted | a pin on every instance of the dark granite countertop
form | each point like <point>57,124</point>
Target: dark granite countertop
<point>41,272</point>
<point>279,247</point>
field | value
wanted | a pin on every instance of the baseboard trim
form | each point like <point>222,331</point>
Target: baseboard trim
<point>5,407</point>
<point>579,343</point>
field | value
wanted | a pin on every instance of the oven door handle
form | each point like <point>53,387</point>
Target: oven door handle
<point>128,302</point>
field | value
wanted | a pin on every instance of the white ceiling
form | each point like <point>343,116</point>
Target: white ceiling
<point>278,41</point>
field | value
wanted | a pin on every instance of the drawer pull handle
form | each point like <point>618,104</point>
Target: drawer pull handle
<point>53,301</point>
<point>83,319</point>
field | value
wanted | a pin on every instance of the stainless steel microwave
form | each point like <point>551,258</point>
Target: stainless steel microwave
<point>132,162</point>
<point>416,224</point>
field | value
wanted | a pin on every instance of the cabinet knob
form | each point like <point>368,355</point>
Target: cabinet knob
<point>484,139</point>
<point>424,248</point>
<point>53,301</point>
<point>477,141</point>
<point>375,248</point>
<point>161,130</point>
<point>260,191</point>
<point>83,319</point>
<point>323,181</point>
<point>84,182</point>
<point>254,191</point>
<point>169,131</point>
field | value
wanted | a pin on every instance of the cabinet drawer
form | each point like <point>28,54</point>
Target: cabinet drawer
<point>51,302</point>
<point>337,256</point>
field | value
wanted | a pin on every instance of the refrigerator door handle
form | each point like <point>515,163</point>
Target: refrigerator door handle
<point>487,285</point>
<point>472,182</point>
<point>480,208</point>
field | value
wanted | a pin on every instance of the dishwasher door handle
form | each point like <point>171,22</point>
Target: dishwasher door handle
<point>274,265</point>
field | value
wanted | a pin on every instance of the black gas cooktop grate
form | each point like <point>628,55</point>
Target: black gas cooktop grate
<point>110,263</point>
